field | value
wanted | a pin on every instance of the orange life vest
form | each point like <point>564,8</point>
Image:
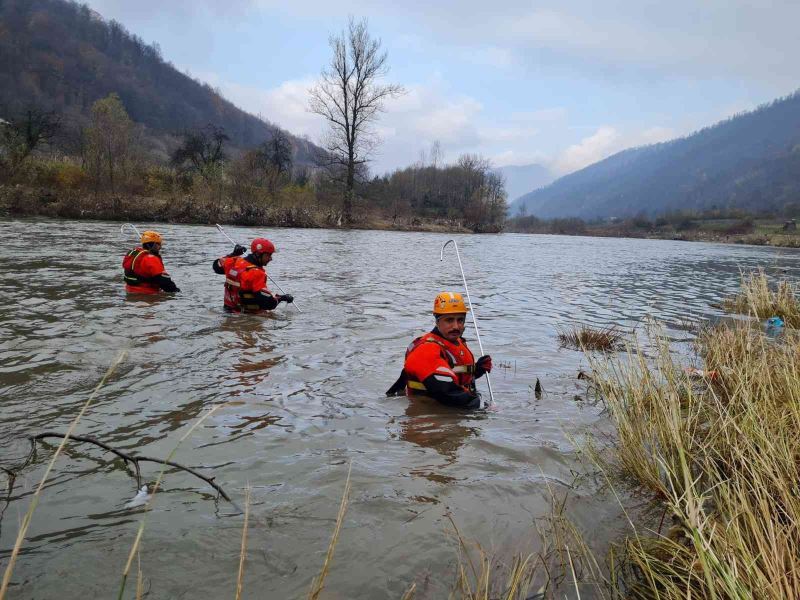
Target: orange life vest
<point>454,358</point>
<point>237,296</point>
<point>134,282</point>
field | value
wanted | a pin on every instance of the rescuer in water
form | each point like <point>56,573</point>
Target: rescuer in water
<point>439,364</point>
<point>144,268</point>
<point>246,280</point>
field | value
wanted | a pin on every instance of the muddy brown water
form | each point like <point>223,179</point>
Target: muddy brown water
<point>306,399</point>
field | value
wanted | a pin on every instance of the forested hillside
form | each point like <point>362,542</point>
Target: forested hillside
<point>750,161</point>
<point>61,56</point>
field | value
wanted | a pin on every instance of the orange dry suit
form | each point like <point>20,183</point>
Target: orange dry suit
<point>145,274</point>
<point>440,369</point>
<point>245,284</point>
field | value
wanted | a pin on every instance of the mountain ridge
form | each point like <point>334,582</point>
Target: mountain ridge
<point>63,56</point>
<point>749,161</point>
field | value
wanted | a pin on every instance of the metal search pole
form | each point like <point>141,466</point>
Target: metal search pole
<point>277,285</point>
<point>132,226</point>
<point>471,309</point>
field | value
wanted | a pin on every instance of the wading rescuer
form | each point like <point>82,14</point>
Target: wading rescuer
<point>439,364</point>
<point>144,268</point>
<point>246,280</point>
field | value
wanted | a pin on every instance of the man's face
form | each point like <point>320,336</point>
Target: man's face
<point>451,326</point>
<point>264,258</point>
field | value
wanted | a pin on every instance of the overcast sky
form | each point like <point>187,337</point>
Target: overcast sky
<point>561,83</point>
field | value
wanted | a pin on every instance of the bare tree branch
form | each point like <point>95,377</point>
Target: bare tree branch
<point>132,458</point>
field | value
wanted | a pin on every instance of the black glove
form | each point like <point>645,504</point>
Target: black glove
<point>165,283</point>
<point>483,366</point>
<point>286,298</point>
<point>238,250</point>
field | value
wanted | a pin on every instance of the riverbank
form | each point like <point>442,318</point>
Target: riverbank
<point>714,447</point>
<point>736,228</point>
<point>23,201</point>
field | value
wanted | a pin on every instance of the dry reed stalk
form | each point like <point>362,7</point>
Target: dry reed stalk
<point>319,581</point>
<point>137,540</point>
<point>139,577</point>
<point>585,337</point>
<point>26,521</point>
<point>723,455</point>
<point>757,299</point>
<point>243,551</point>
<point>410,592</point>
<point>487,577</point>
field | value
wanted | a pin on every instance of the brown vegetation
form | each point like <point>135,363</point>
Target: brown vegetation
<point>727,226</point>
<point>759,299</point>
<point>721,456</point>
<point>585,337</point>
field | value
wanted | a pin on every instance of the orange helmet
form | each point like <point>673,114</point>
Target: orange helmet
<point>151,236</point>
<point>448,303</point>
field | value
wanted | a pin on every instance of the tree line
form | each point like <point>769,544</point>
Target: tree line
<point>109,169</point>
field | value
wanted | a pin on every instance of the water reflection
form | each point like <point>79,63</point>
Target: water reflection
<point>428,424</point>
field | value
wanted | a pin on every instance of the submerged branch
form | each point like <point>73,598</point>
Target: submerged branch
<point>133,459</point>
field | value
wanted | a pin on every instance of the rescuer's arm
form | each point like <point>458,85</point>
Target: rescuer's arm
<point>218,266</point>
<point>265,300</point>
<point>165,282</point>
<point>151,268</point>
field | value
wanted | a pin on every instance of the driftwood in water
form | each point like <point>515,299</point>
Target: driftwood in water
<point>130,458</point>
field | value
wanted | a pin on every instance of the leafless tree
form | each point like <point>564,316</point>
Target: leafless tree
<point>436,153</point>
<point>350,96</point>
<point>20,137</point>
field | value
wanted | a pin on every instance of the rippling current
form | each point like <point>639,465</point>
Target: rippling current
<point>305,394</point>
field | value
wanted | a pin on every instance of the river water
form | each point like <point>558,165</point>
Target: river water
<point>305,394</point>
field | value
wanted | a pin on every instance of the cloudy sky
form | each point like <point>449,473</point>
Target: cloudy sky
<point>561,83</point>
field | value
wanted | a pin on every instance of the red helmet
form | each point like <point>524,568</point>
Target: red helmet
<point>261,246</point>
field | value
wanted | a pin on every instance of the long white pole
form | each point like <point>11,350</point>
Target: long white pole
<point>132,226</point>
<point>277,285</point>
<point>471,309</point>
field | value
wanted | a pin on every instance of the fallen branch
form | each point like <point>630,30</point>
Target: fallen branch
<point>132,458</point>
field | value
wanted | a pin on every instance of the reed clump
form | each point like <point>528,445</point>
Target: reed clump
<point>722,456</point>
<point>585,337</point>
<point>758,299</point>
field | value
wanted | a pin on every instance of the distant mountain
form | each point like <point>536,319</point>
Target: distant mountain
<point>750,161</point>
<point>62,56</point>
<point>524,178</point>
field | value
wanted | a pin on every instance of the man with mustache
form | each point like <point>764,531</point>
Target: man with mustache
<point>439,364</point>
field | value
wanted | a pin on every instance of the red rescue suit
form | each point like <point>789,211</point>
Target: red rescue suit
<point>441,369</point>
<point>142,271</point>
<point>243,282</point>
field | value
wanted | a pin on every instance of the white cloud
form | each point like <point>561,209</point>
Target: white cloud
<point>492,56</point>
<point>285,105</point>
<point>604,142</point>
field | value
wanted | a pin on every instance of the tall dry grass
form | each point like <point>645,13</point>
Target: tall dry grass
<point>722,455</point>
<point>757,298</point>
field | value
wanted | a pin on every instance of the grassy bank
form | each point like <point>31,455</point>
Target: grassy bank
<point>718,452</point>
